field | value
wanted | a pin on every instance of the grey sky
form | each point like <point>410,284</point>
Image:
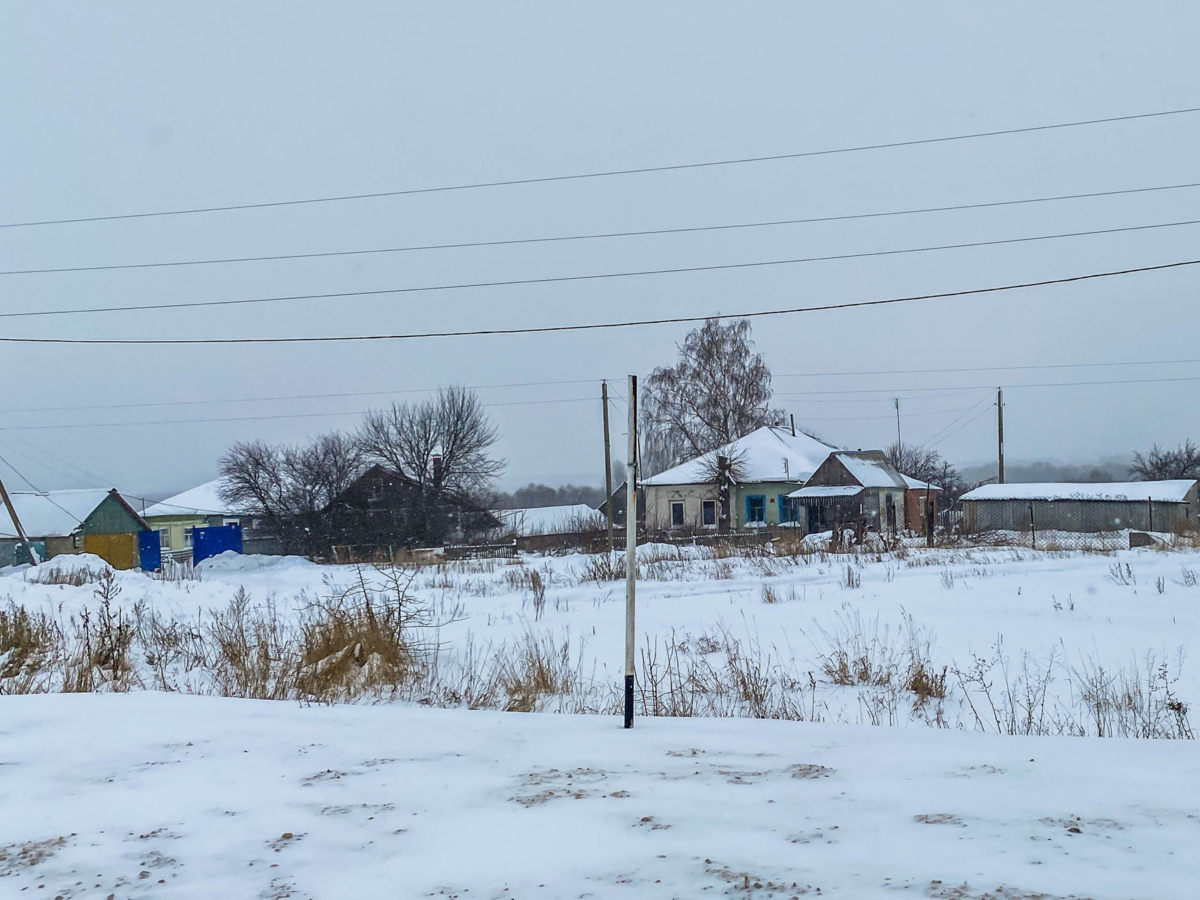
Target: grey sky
<point>131,107</point>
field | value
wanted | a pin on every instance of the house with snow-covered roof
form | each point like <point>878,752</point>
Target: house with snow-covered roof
<point>741,486</point>
<point>177,518</point>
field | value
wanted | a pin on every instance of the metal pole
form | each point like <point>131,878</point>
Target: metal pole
<point>608,469</point>
<point>1000,433</point>
<point>1150,510</point>
<point>899,443</point>
<point>631,520</point>
<point>1032,529</point>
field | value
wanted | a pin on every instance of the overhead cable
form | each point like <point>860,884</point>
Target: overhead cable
<point>609,173</point>
<point>594,326</point>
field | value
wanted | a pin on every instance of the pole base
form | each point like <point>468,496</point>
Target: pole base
<point>628,701</point>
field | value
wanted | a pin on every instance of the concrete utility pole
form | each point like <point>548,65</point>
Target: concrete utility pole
<point>12,514</point>
<point>1000,434</point>
<point>631,519</point>
<point>608,469</point>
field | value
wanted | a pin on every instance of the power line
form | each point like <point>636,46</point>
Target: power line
<point>97,479</point>
<point>559,279</point>
<point>341,394</point>
<point>979,415</point>
<point>641,170</point>
<point>351,412</point>
<point>1028,384</point>
<point>595,326</point>
<point>1094,365</point>
<point>595,236</point>
<point>939,433</point>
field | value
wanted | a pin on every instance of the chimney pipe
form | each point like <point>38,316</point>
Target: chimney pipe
<point>793,424</point>
<point>437,471</point>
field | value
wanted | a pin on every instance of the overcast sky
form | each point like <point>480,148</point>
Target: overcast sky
<point>125,107</point>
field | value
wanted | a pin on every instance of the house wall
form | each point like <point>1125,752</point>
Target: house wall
<point>658,500</point>
<point>915,509</point>
<point>111,517</point>
<point>177,535</point>
<point>772,491</point>
<point>1084,516</point>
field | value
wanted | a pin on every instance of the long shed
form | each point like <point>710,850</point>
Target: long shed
<point>1161,506</point>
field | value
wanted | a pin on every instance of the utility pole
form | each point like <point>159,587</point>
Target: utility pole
<point>608,469</point>
<point>899,445</point>
<point>1000,434</point>
<point>631,468</point>
<point>12,514</point>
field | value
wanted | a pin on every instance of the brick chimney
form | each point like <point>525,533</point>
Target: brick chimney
<point>437,471</point>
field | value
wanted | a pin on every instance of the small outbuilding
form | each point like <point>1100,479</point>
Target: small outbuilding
<point>92,520</point>
<point>853,489</point>
<point>1161,506</point>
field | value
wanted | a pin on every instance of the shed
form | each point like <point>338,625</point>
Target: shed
<point>852,488</point>
<point>92,520</point>
<point>1161,506</point>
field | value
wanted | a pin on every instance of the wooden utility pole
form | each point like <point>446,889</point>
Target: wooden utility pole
<point>608,468</point>
<point>12,514</point>
<point>631,520</point>
<point>1000,435</point>
<point>899,445</point>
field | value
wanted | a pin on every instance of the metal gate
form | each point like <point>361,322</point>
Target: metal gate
<point>215,539</point>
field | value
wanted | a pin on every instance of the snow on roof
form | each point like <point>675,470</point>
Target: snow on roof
<point>547,519</point>
<point>1158,491</point>
<point>917,484</point>
<point>198,501</point>
<point>823,491</point>
<point>50,513</point>
<point>870,469</point>
<point>768,454</point>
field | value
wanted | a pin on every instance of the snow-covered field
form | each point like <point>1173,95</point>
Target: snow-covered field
<point>150,794</point>
<point>399,800</point>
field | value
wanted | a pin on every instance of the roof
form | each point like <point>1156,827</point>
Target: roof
<point>547,519</point>
<point>50,513</point>
<point>870,468</point>
<point>198,501</point>
<point>768,454</point>
<point>1158,491</point>
<point>827,491</point>
<point>917,484</point>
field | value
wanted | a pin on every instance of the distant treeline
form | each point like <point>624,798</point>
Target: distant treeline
<point>533,496</point>
<point>1048,472</point>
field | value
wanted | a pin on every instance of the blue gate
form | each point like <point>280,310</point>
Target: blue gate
<point>215,539</point>
<point>149,551</point>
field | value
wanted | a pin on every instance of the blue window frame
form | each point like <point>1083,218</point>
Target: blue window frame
<point>787,509</point>
<point>756,508</point>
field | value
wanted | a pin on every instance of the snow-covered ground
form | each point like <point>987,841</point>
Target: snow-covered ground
<point>148,794</point>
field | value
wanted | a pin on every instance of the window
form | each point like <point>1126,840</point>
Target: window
<point>676,513</point>
<point>187,536</point>
<point>756,509</point>
<point>787,509</point>
<point>708,512</point>
<point>164,538</point>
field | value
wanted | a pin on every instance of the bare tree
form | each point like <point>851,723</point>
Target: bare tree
<point>452,425</point>
<point>1161,465</point>
<point>718,391</point>
<point>916,462</point>
<point>291,486</point>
